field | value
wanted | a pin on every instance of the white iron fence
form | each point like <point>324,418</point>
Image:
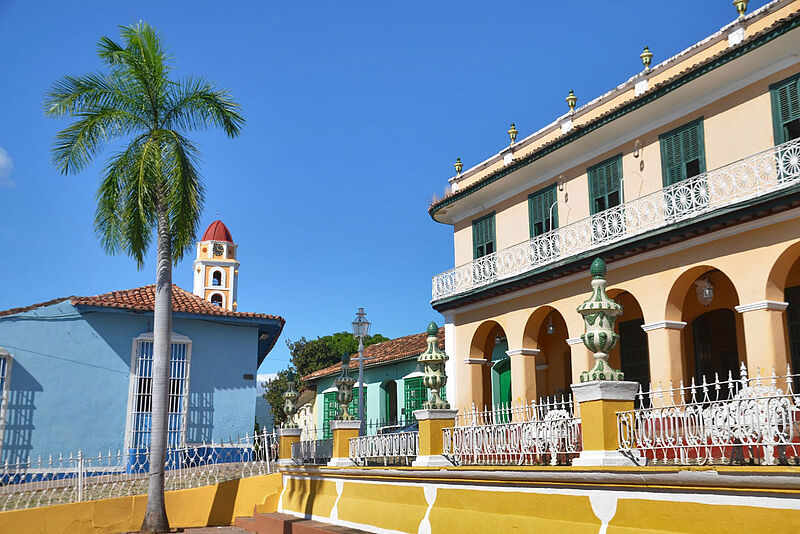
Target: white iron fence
<point>544,433</point>
<point>746,420</point>
<point>386,449</point>
<point>314,451</point>
<point>78,477</point>
<point>762,173</point>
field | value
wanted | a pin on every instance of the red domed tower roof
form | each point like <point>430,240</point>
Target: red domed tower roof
<point>217,231</point>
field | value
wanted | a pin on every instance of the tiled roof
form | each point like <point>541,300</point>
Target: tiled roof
<point>144,298</point>
<point>23,309</point>
<point>684,75</point>
<point>387,351</point>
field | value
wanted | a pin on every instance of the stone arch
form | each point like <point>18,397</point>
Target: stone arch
<point>488,343</point>
<point>631,354</point>
<point>785,272</point>
<point>713,339</point>
<point>546,331</point>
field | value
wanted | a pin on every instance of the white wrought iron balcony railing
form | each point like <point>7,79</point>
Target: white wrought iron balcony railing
<point>754,420</point>
<point>385,449</point>
<point>544,433</point>
<point>762,173</point>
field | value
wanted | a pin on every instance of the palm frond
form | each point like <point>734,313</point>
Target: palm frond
<point>76,94</point>
<point>198,104</point>
<point>139,200</point>
<point>76,145</point>
<point>184,192</point>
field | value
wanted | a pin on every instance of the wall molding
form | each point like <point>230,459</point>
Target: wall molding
<point>574,341</point>
<point>669,325</point>
<point>523,352</point>
<point>762,305</point>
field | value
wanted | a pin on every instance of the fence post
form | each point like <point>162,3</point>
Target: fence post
<point>431,445</point>
<point>342,432</point>
<point>287,436</point>
<point>80,475</point>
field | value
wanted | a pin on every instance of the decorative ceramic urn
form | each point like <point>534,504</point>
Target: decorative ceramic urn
<point>290,401</point>
<point>599,314</point>
<point>344,389</point>
<point>434,378</point>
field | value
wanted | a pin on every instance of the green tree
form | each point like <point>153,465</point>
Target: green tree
<point>309,356</point>
<point>151,186</point>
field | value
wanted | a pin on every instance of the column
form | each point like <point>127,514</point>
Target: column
<point>581,358</point>
<point>765,336</point>
<point>342,432</point>
<point>666,354</point>
<point>474,387</point>
<point>523,374</point>
<point>286,437</point>
<point>431,443</point>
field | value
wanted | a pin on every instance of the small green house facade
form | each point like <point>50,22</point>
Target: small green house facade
<point>392,379</point>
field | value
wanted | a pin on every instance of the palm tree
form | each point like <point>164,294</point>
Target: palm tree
<point>152,184</point>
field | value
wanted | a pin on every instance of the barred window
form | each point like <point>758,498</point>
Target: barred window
<point>141,401</point>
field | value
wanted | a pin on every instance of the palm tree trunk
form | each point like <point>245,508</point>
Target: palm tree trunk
<point>155,519</point>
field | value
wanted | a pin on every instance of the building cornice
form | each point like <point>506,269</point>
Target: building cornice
<point>655,93</point>
<point>668,325</point>
<point>762,305</point>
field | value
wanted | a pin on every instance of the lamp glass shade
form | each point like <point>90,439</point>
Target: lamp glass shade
<point>360,324</point>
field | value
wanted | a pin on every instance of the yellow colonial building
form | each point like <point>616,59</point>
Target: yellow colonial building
<point>685,179</point>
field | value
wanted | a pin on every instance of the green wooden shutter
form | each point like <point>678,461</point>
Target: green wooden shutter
<point>604,184</point>
<point>785,99</point>
<point>539,210</point>
<point>329,412</point>
<point>682,152</point>
<point>352,408</point>
<point>415,395</point>
<point>483,236</point>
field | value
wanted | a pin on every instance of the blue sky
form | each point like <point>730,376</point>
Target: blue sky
<point>355,113</point>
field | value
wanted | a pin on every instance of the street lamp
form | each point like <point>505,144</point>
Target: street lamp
<point>361,330</point>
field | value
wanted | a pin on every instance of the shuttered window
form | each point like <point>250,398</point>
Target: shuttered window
<point>483,236</point>
<point>786,109</point>
<point>539,204</point>
<point>604,184</point>
<point>682,152</point>
<point>415,395</point>
<point>330,409</point>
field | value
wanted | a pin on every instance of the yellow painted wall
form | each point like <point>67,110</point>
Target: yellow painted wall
<point>402,502</point>
<point>724,123</point>
<point>756,261</point>
<point>217,504</point>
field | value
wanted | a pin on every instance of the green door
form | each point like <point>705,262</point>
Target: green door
<point>415,395</point>
<point>504,382</point>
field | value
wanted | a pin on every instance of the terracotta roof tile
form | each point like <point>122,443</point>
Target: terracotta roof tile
<point>387,351</point>
<point>143,299</point>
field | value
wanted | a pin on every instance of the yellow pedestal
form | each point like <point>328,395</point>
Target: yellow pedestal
<point>286,437</point>
<point>431,423</point>
<point>599,402</point>
<point>343,431</point>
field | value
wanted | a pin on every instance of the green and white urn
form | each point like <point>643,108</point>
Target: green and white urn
<point>434,377</point>
<point>599,314</point>
<point>344,389</point>
<point>290,401</point>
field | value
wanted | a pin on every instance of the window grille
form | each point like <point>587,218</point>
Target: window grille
<point>141,405</point>
<point>5,378</point>
<point>415,395</point>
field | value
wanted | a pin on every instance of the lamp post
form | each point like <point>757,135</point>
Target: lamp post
<point>361,330</point>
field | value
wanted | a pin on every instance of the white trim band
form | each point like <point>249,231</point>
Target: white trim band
<point>762,305</point>
<point>574,341</point>
<point>523,352</point>
<point>669,325</point>
<point>604,390</point>
<point>475,360</point>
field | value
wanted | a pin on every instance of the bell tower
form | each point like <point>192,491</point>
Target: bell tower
<point>216,270</point>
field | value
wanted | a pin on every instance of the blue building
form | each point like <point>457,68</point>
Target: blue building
<point>75,372</point>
